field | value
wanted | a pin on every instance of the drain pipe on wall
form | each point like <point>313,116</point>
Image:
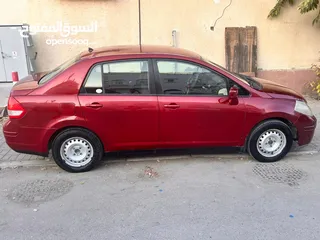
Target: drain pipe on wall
<point>174,38</point>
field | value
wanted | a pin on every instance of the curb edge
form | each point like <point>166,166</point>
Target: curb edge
<point>43,163</point>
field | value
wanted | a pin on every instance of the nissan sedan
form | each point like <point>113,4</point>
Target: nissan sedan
<point>151,97</point>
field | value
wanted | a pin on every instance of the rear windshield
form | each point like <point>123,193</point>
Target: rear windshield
<point>58,70</point>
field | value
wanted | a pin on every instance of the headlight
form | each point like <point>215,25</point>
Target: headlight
<point>303,108</point>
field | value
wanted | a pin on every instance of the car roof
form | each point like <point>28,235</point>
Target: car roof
<point>136,49</point>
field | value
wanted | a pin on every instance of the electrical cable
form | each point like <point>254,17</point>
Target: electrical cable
<point>212,27</point>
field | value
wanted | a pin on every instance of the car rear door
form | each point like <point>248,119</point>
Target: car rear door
<point>119,103</point>
<point>194,110</point>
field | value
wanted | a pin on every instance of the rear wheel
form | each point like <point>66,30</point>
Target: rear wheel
<point>77,150</point>
<point>270,141</point>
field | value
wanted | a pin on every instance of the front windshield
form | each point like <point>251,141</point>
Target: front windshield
<point>243,78</point>
<point>58,70</point>
<point>238,76</point>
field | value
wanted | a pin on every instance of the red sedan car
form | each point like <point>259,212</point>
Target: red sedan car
<point>131,98</point>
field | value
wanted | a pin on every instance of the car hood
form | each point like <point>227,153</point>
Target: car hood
<point>272,87</point>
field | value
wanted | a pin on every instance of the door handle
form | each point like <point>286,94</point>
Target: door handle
<point>172,106</point>
<point>94,105</point>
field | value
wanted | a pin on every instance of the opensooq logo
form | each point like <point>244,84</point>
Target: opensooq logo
<point>65,29</point>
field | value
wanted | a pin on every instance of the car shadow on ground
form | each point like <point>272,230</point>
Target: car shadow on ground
<point>170,153</point>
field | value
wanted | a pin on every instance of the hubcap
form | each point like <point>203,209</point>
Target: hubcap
<point>76,152</point>
<point>271,143</point>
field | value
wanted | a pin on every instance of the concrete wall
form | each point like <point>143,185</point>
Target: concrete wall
<point>288,43</point>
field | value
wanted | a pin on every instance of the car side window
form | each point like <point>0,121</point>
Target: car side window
<point>190,79</point>
<point>123,77</point>
<point>129,77</point>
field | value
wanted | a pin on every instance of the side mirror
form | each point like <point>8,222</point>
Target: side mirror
<point>233,93</point>
<point>232,98</point>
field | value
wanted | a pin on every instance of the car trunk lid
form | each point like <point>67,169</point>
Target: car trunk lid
<point>27,84</point>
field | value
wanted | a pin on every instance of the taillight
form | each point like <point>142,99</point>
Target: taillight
<point>15,110</point>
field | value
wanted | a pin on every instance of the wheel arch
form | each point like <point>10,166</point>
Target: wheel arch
<point>284,120</point>
<point>60,130</point>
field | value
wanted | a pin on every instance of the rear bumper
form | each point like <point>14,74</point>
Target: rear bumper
<point>26,140</point>
<point>306,127</point>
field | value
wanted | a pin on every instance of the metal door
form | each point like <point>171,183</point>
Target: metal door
<point>3,77</point>
<point>13,53</point>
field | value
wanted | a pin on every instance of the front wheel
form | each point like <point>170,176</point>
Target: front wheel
<point>77,150</point>
<point>270,141</point>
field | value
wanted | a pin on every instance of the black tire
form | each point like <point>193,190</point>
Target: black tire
<point>74,133</point>
<point>260,129</point>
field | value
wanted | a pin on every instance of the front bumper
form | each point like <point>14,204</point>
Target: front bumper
<point>306,127</point>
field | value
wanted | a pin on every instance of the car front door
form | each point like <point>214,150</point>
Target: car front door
<point>119,103</point>
<point>194,110</point>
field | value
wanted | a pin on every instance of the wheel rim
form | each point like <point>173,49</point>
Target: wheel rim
<point>76,152</point>
<point>271,143</point>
